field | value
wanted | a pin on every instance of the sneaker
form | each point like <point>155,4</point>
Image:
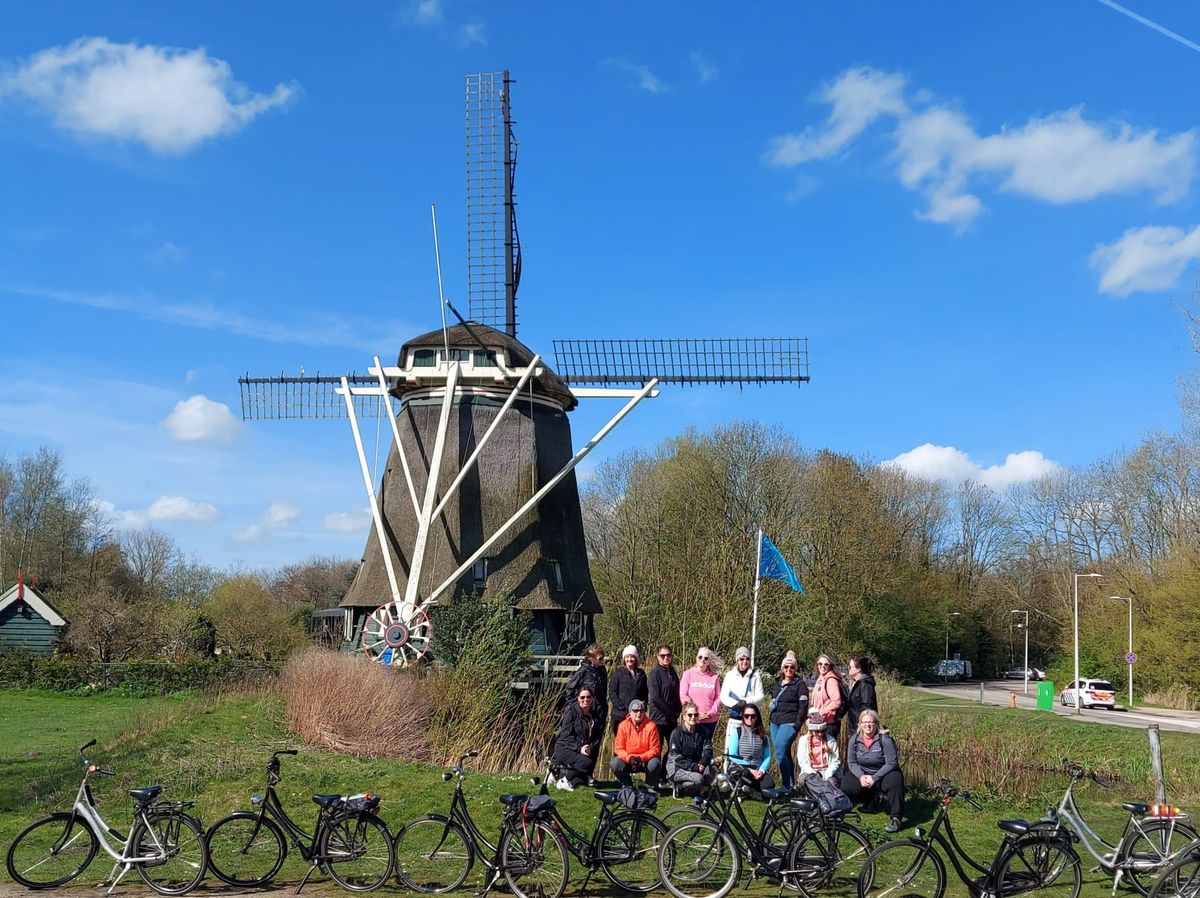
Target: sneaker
<point>894,826</point>
<point>591,783</point>
<point>675,790</point>
<point>697,801</point>
<point>565,785</point>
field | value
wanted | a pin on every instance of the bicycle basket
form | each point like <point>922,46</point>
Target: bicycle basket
<point>637,799</point>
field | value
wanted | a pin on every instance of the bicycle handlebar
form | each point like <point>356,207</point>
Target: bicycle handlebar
<point>285,751</point>
<point>1079,772</point>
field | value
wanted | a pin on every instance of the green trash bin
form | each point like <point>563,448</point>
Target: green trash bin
<point>1045,696</point>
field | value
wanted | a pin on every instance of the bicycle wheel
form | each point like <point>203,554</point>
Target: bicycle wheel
<point>629,851</point>
<point>176,843</point>
<point>904,868</point>
<point>1180,878</point>
<point>432,855</point>
<point>356,850</point>
<point>534,861</point>
<point>1046,866</point>
<point>245,849</point>
<point>698,860</point>
<point>780,832</point>
<point>1147,852</point>
<point>828,860</point>
<point>52,851</point>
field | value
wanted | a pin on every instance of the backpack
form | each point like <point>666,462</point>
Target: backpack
<point>844,707</point>
<point>637,798</point>
<point>832,799</point>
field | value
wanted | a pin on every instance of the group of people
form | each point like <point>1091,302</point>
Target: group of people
<point>680,713</point>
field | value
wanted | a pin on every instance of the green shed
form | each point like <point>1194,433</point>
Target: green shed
<point>28,621</point>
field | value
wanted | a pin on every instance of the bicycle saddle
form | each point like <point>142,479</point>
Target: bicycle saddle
<point>513,798</point>
<point>774,795</point>
<point>146,794</point>
<point>606,797</point>
<point>804,805</point>
<point>326,800</point>
<point>1016,827</point>
<point>1135,807</point>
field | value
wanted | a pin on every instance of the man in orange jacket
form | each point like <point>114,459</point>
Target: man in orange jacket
<point>637,747</point>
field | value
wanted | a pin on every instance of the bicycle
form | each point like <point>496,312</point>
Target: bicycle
<point>795,845</point>
<point>1149,842</point>
<point>165,845</point>
<point>348,843</point>
<point>435,853</point>
<point>1029,860</point>
<point>1181,877</point>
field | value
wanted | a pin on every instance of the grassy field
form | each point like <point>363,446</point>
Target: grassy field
<point>213,749</point>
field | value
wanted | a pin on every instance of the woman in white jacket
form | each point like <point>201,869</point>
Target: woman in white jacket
<point>741,686</point>
<point>818,750</point>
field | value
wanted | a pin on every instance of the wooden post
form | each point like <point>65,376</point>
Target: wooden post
<point>1160,789</point>
<point>1012,699</point>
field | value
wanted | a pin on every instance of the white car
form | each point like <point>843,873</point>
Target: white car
<point>1018,673</point>
<point>1093,694</point>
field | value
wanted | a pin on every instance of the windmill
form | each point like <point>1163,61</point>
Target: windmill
<point>479,491</point>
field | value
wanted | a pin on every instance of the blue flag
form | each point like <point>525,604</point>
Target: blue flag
<point>772,564</point>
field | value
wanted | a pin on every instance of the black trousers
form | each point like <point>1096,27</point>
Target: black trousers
<point>624,773</point>
<point>890,789</point>
<point>664,735</point>
<point>576,767</point>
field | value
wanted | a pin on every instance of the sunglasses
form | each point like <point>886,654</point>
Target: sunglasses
<point>749,717</point>
<point>704,657</point>
<point>585,698</point>
<point>789,667</point>
<point>691,715</point>
<point>664,654</point>
<point>824,664</point>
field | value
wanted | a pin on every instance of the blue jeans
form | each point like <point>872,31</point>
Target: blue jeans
<point>782,737</point>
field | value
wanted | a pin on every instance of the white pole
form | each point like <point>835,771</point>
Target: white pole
<point>385,397</point>
<point>537,497</point>
<point>757,581</point>
<point>437,256</point>
<point>1026,692</point>
<point>1131,652</point>
<point>380,533</point>
<point>435,469</point>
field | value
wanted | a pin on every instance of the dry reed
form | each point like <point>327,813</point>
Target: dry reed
<point>345,703</point>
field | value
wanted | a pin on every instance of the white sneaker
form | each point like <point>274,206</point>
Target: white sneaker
<point>565,785</point>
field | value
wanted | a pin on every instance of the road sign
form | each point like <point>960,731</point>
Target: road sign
<point>1131,657</point>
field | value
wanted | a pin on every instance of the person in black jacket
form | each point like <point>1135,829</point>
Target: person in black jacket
<point>626,683</point>
<point>663,702</point>
<point>577,741</point>
<point>789,708</point>
<point>590,673</point>
<point>862,689</point>
<point>689,753</point>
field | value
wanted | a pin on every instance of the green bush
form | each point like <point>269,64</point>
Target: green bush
<point>21,669</point>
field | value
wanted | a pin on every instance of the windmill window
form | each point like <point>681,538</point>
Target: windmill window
<point>575,629</point>
<point>479,572</point>
<point>424,358</point>
<point>484,358</point>
<point>459,355</point>
<point>556,572</point>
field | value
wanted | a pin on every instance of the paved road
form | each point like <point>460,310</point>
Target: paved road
<point>1000,692</point>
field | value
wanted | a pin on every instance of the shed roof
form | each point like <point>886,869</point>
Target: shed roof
<point>36,601</point>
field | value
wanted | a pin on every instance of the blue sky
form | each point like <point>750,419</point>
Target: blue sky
<point>984,217</point>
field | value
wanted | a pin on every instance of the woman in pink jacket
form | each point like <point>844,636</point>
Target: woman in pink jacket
<point>701,685</point>
<point>826,694</point>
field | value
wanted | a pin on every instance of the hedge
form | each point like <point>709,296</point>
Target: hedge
<point>24,670</point>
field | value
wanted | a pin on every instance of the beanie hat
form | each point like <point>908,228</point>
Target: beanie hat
<point>790,656</point>
<point>630,649</point>
<point>816,723</point>
<point>742,652</point>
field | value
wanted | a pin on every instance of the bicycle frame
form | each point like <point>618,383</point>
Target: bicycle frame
<point>270,805</point>
<point>732,819</point>
<point>942,834</point>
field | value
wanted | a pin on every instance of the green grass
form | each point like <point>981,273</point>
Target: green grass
<point>213,749</point>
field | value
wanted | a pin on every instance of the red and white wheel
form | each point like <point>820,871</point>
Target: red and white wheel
<point>396,634</point>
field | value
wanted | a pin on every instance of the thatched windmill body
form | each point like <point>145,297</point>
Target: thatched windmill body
<point>479,491</point>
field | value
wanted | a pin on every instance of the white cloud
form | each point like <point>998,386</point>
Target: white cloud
<point>180,508</point>
<point>167,98</point>
<point>706,72</point>
<point>307,328</point>
<point>1059,159</point>
<point>423,12</point>
<point>120,520</point>
<point>1146,259</point>
<point>473,33</point>
<point>200,419</point>
<point>279,515</point>
<point>166,254</point>
<point>348,521</point>
<point>953,466</point>
<point>645,78</point>
<point>251,534</point>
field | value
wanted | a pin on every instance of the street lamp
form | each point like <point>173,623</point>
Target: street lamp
<point>1129,656</point>
<point>1025,627</point>
<point>1078,692</point>
<point>948,616</point>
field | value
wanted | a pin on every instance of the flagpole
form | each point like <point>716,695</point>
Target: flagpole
<point>757,580</point>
